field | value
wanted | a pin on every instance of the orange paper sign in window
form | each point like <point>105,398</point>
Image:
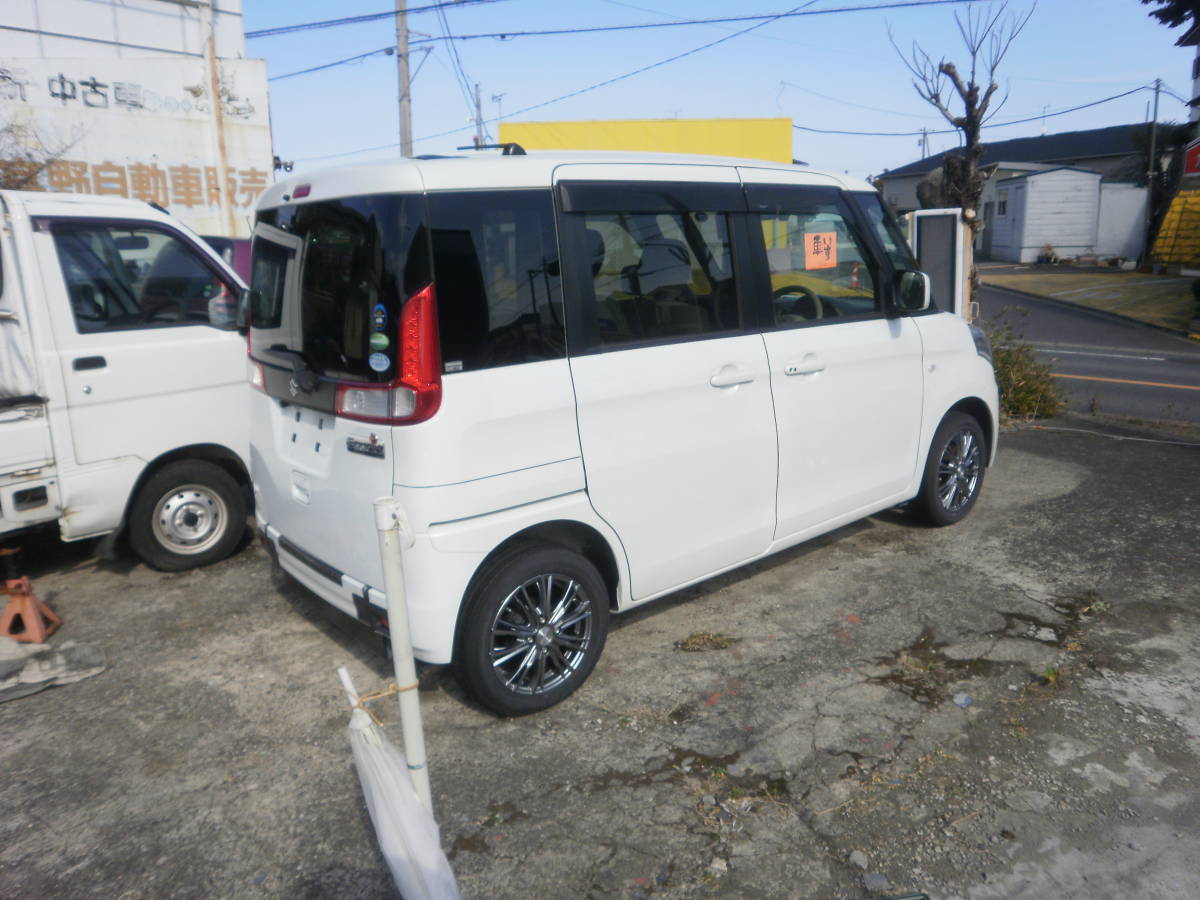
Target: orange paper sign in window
<point>820,250</point>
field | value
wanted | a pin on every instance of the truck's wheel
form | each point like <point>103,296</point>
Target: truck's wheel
<point>189,513</point>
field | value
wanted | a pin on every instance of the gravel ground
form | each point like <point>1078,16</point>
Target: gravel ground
<point>1001,709</point>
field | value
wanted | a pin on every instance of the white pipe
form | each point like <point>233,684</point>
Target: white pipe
<point>394,533</point>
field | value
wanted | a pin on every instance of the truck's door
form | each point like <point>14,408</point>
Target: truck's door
<point>144,324</point>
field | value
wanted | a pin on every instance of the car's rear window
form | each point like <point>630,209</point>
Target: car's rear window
<point>359,258</point>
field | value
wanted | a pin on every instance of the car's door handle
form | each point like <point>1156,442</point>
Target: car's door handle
<point>810,364</point>
<point>83,363</point>
<point>728,376</point>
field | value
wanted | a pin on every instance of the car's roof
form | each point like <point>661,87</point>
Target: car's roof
<point>481,170</point>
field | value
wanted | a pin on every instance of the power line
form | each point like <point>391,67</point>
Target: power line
<point>593,29</point>
<point>354,20</point>
<point>464,82</point>
<point>386,51</point>
<point>764,18</point>
<point>1171,93</point>
<point>1061,112</point>
<point>390,50</point>
<point>509,35</point>
<point>877,109</point>
<point>806,128</point>
<point>638,71</point>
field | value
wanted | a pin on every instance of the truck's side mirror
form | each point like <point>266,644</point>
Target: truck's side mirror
<point>911,290</point>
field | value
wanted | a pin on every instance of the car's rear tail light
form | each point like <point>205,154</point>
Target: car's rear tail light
<point>256,376</point>
<point>371,403</point>
<point>416,392</point>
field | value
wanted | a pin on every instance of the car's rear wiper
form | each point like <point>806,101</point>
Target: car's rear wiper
<point>303,376</point>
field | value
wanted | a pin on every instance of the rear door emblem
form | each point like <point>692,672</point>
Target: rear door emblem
<point>370,447</point>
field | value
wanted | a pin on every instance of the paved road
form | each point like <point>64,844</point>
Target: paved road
<point>1106,365</point>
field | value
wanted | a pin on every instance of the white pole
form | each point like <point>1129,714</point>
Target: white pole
<point>389,520</point>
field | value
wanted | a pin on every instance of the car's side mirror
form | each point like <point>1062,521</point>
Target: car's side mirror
<point>245,302</point>
<point>911,290</point>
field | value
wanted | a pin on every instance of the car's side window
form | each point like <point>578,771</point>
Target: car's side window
<point>658,275</point>
<point>891,238</point>
<point>495,263</point>
<point>818,263</point>
<point>122,277</point>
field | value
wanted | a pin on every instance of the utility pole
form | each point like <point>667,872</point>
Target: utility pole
<point>1151,167</point>
<point>924,142</point>
<point>405,85</point>
<point>479,119</point>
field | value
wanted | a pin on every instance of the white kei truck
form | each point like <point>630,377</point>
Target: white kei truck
<point>123,398</point>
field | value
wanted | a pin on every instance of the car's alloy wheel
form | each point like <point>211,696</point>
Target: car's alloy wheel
<point>541,634</point>
<point>959,470</point>
<point>531,629</point>
<point>954,471</point>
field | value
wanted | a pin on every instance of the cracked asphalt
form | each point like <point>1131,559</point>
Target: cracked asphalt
<point>1004,708</point>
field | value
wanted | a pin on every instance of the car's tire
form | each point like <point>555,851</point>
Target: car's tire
<point>953,472</point>
<point>531,630</point>
<point>189,513</point>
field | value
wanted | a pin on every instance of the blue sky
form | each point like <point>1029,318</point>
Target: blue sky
<point>819,71</point>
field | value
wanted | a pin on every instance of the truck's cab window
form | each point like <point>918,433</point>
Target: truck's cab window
<point>121,277</point>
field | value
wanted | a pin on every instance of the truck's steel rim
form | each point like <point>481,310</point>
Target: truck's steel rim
<point>959,470</point>
<point>189,519</point>
<point>541,634</point>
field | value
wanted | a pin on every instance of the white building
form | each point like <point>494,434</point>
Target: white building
<point>121,93</point>
<point>1066,212</point>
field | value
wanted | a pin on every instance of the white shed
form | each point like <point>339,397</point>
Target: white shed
<point>1057,207</point>
<point>1122,228</point>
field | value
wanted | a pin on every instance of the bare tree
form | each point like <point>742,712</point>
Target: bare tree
<point>24,155</point>
<point>987,34</point>
<point>25,152</point>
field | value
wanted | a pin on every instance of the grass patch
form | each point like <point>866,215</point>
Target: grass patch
<point>700,641</point>
<point>1163,300</point>
<point>1027,387</point>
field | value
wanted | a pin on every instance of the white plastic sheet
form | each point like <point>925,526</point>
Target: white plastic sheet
<point>17,377</point>
<point>407,833</point>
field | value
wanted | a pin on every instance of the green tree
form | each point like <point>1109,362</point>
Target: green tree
<point>1174,13</point>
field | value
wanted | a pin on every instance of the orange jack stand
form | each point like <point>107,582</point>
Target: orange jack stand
<point>26,618</point>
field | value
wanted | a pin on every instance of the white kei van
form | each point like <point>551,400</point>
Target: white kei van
<point>591,380</point>
<point>123,397</point>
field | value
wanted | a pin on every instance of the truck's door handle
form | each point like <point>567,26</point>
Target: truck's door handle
<point>811,364</point>
<point>88,362</point>
<point>728,376</point>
